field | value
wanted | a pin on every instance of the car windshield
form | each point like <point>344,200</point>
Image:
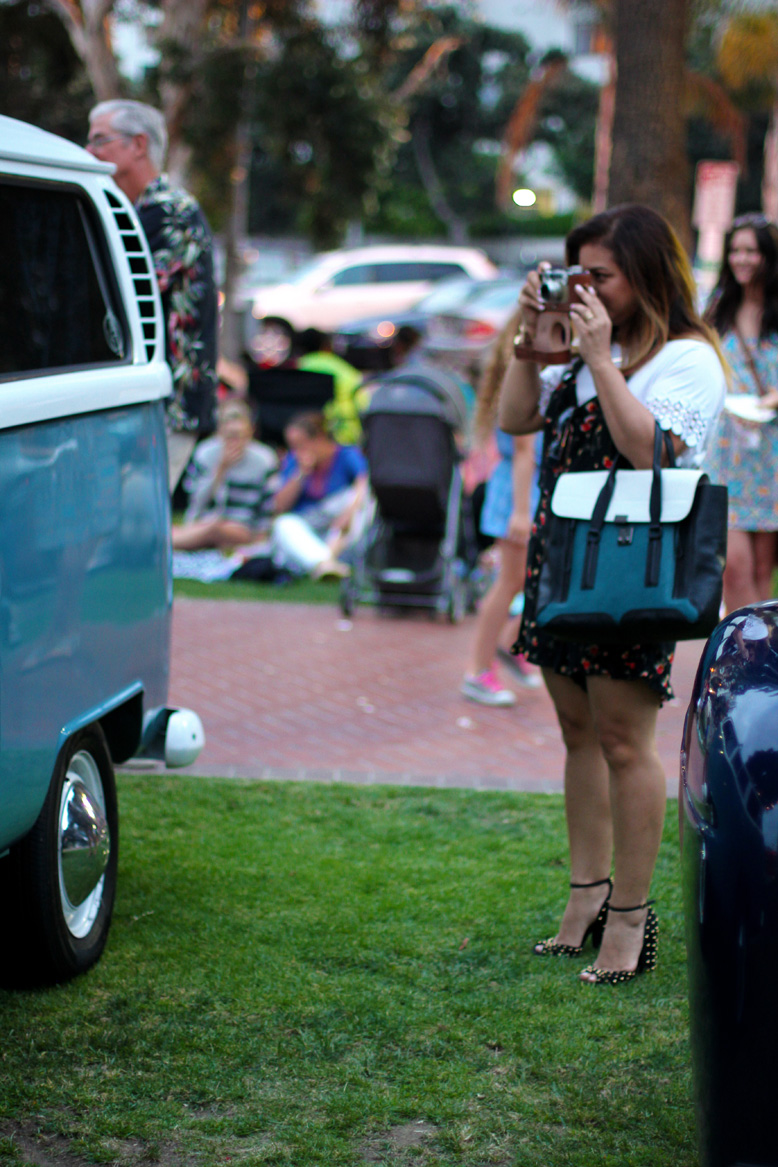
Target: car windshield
<point>495,296</point>
<point>447,295</point>
<point>302,273</point>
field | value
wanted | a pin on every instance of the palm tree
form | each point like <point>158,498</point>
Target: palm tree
<point>521,125</point>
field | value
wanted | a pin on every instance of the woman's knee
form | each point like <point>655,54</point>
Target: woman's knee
<point>571,705</point>
<point>626,743</point>
<point>576,725</point>
<point>624,715</point>
<point>619,746</point>
<point>739,568</point>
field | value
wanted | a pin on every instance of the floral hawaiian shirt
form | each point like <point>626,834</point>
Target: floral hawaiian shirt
<point>182,249</point>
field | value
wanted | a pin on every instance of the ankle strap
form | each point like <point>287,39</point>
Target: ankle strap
<point>634,908</point>
<point>596,883</point>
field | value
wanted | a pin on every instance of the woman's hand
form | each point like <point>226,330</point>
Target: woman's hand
<point>592,326</point>
<point>531,302</point>
<point>233,450</point>
<point>306,461</point>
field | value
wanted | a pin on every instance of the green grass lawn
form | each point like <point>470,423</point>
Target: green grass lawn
<point>297,591</point>
<point>308,975</point>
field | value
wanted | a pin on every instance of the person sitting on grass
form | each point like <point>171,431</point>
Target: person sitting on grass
<point>228,486</point>
<point>348,402</point>
<point>320,503</point>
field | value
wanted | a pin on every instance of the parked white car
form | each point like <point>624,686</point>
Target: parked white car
<point>339,286</point>
<point>460,339</point>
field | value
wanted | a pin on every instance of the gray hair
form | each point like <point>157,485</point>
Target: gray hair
<point>133,117</point>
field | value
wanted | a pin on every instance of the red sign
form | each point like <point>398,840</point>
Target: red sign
<point>714,195</point>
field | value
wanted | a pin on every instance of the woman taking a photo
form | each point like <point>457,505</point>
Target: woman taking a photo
<point>645,356</point>
<point>744,455</point>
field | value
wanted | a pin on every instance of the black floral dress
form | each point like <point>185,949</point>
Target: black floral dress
<point>575,437</point>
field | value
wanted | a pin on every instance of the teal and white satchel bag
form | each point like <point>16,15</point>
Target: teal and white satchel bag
<point>634,556</point>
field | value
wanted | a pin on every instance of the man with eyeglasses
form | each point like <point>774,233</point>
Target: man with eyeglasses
<point>133,136</point>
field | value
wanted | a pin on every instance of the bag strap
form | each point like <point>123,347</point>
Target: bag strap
<point>654,558</point>
<point>761,390</point>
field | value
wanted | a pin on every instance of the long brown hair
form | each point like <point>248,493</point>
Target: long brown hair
<point>492,377</point>
<point>727,296</point>
<point>649,253</point>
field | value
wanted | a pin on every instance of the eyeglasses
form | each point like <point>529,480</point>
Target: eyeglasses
<point>101,140</point>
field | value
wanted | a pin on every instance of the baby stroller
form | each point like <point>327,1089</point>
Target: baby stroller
<point>420,548</point>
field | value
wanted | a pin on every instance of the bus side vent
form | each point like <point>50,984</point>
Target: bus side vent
<point>142,275</point>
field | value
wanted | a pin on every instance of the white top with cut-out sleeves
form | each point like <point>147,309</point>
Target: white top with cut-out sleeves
<point>683,386</point>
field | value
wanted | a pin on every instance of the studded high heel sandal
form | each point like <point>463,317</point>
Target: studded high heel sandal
<point>551,947</point>
<point>646,960</point>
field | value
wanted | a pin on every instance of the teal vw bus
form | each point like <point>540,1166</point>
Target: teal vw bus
<point>85,578</point>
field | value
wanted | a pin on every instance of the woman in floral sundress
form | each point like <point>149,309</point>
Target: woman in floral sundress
<point>645,356</point>
<point>744,455</point>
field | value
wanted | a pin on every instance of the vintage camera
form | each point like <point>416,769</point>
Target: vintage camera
<point>554,342</point>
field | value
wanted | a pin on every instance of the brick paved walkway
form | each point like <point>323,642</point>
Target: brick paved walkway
<point>294,691</point>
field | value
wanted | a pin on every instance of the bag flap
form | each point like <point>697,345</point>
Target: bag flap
<point>576,494</point>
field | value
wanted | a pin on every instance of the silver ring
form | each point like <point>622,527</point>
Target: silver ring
<point>588,316</point>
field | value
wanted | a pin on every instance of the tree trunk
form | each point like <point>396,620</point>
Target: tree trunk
<point>87,27</point>
<point>456,227</point>
<point>770,175</point>
<point>603,139</point>
<point>237,222</point>
<point>648,162</point>
<point>180,30</point>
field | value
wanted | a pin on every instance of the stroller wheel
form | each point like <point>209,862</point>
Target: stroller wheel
<point>471,597</point>
<point>348,600</point>
<point>457,602</point>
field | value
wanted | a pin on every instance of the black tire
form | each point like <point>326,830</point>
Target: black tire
<point>457,602</point>
<point>348,602</point>
<point>471,591</point>
<point>60,898</point>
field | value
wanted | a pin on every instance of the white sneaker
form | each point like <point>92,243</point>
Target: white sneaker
<point>485,689</point>
<point>525,674</point>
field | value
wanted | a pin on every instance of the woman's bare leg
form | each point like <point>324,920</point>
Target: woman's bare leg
<point>493,611</point>
<point>624,714</point>
<point>218,533</point>
<point>587,806</point>
<point>765,544</point>
<point>509,632</point>
<point>739,583</point>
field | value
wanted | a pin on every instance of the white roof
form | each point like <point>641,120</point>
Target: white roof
<point>399,251</point>
<point>22,142</point>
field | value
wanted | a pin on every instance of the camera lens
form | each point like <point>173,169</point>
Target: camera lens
<point>553,286</point>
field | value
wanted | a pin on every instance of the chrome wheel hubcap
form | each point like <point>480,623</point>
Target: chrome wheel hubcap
<point>84,844</point>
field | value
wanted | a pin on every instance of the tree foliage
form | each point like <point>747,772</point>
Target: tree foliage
<point>451,122</point>
<point>42,79</point>
<point>396,121</point>
<point>566,121</point>
<point>319,122</point>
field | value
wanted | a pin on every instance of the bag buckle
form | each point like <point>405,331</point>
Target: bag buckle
<point>626,531</point>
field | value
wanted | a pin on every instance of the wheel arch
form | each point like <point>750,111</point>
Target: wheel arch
<point>120,718</point>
